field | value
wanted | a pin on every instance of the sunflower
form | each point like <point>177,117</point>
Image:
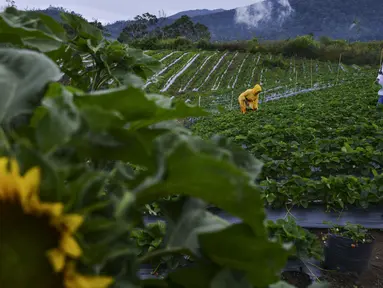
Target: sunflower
<point>37,247</point>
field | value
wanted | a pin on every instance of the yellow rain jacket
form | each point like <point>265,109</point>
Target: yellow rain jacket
<point>251,97</point>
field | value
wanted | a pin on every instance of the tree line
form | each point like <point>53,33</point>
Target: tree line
<point>149,27</point>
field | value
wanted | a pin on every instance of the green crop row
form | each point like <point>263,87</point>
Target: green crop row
<point>239,71</point>
<point>335,134</point>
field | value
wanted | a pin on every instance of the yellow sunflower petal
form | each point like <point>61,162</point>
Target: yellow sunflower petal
<point>57,259</point>
<point>15,169</point>
<point>72,222</point>
<point>53,209</point>
<point>72,279</point>
<point>70,246</point>
<point>29,188</point>
<point>3,165</point>
<point>32,179</point>
<point>31,204</point>
<point>79,281</point>
<point>9,187</point>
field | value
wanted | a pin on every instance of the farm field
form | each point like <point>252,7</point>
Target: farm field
<point>321,147</point>
<point>321,142</point>
<point>206,72</point>
<point>324,146</point>
<point>317,132</point>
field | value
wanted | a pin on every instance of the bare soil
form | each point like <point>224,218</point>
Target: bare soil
<point>298,279</point>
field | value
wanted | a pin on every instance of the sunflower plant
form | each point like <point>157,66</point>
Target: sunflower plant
<point>80,161</point>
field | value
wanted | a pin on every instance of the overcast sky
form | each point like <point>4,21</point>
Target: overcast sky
<point>112,10</point>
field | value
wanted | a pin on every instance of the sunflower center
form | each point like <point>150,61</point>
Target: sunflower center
<point>24,242</point>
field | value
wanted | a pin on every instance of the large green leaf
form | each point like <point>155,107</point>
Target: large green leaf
<point>183,234</point>
<point>31,29</point>
<point>166,110</point>
<point>132,105</point>
<point>23,77</point>
<point>191,223</point>
<point>234,247</point>
<point>227,278</point>
<point>82,27</point>
<point>85,190</point>
<point>135,147</point>
<point>238,248</point>
<point>193,167</point>
<point>198,276</point>
<point>60,121</point>
<point>52,184</point>
<point>122,61</point>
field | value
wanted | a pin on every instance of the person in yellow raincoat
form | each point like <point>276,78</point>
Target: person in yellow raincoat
<point>251,97</point>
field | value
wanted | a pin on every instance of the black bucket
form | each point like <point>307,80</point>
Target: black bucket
<point>342,256</point>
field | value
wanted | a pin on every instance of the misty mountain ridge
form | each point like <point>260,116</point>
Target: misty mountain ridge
<point>283,19</point>
<point>194,13</point>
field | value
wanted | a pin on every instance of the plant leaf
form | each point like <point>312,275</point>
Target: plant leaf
<point>23,76</point>
<point>190,166</point>
<point>60,121</point>
<point>32,29</point>
<point>238,248</point>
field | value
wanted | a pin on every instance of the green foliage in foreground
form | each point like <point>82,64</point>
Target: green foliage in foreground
<point>325,145</point>
<point>105,154</point>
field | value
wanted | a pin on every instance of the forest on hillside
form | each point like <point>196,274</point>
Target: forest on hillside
<point>354,21</point>
<point>147,32</point>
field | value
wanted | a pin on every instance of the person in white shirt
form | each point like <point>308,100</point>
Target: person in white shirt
<point>379,81</point>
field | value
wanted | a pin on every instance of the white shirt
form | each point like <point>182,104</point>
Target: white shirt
<point>380,93</point>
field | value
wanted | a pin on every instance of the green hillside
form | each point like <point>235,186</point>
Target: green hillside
<point>226,73</point>
<point>332,18</point>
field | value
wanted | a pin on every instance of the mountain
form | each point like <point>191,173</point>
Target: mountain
<point>282,19</point>
<point>54,12</point>
<point>194,13</point>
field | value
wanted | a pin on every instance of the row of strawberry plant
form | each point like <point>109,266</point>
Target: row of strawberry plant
<point>185,73</point>
<point>167,82</point>
<point>223,76</point>
<point>316,164</point>
<point>209,78</point>
<point>335,132</point>
<point>236,71</point>
<point>333,191</point>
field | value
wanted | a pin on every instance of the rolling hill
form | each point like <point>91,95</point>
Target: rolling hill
<point>275,19</point>
<point>282,19</point>
<point>194,13</point>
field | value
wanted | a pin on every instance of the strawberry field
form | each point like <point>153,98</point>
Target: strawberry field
<point>318,134</point>
<point>320,147</point>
